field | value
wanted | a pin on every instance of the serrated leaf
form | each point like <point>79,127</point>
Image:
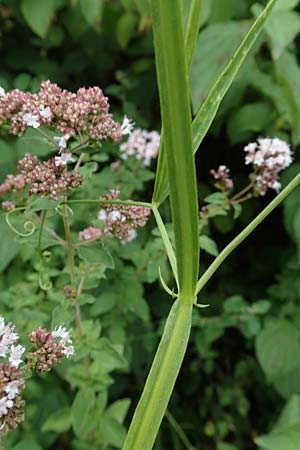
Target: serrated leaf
<point>39,14</point>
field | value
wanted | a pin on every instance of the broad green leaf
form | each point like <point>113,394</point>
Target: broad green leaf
<point>38,14</point>
<point>277,347</point>
<point>9,247</point>
<point>281,28</point>
<point>6,152</point>
<point>92,11</point>
<point>210,106</point>
<point>216,45</point>
<point>118,410</point>
<point>249,119</point>
<point>125,28</point>
<point>288,77</point>
<point>81,409</point>
<point>288,384</point>
<point>287,439</point>
<point>290,414</point>
<point>96,254</point>
<point>285,4</point>
<point>208,245</point>
<point>176,120</point>
<point>161,379</point>
<point>27,444</point>
<point>59,421</point>
<point>112,432</point>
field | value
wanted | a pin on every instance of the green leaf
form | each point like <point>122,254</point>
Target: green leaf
<point>288,384</point>
<point>216,45</point>
<point>176,119</point>
<point>210,106</point>
<point>118,409</point>
<point>96,254</point>
<point>249,119</point>
<point>285,4</point>
<point>81,409</point>
<point>290,414</point>
<point>282,28</point>
<point>27,444</point>
<point>208,245</point>
<point>92,11</point>
<point>112,432</point>
<point>277,347</point>
<point>38,14</point>
<point>59,421</point>
<point>9,247</point>
<point>192,30</point>
<point>287,439</point>
<point>125,28</point>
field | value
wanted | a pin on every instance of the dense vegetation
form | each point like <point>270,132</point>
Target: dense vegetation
<point>238,388</point>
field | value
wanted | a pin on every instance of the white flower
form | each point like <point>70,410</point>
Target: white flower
<point>68,351</point>
<point>16,353</point>
<point>63,333</point>
<point>2,92</point>
<point>5,404</point>
<point>130,236</point>
<point>62,140</point>
<point>31,120</point>
<point>276,186</point>
<point>127,126</point>
<point>12,389</point>
<point>102,215</point>
<point>63,159</point>
<point>113,216</point>
<point>45,112</point>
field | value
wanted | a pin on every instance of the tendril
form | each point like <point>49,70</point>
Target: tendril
<point>58,209</point>
<point>45,285</point>
<point>28,226</point>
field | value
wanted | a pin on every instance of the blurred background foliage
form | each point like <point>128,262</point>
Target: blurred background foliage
<point>239,386</point>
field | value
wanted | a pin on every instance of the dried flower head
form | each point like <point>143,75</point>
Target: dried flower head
<point>142,144</point>
<point>269,157</point>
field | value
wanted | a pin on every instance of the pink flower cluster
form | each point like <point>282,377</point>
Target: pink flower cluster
<point>122,220</point>
<point>50,347</point>
<point>85,112</point>
<point>222,177</point>
<point>269,157</point>
<point>11,378</point>
<point>142,145</point>
<point>47,179</point>
<point>118,219</point>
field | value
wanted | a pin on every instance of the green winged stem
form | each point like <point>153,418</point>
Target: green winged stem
<point>210,106</point>
<point>176,119</point>
<point>161,379</point>
<point>191,35</point>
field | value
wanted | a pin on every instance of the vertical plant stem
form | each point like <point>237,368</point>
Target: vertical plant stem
<point>176,118</point>
<point>69,243</point>
<point>161,379</point>
<point>71,259</point>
